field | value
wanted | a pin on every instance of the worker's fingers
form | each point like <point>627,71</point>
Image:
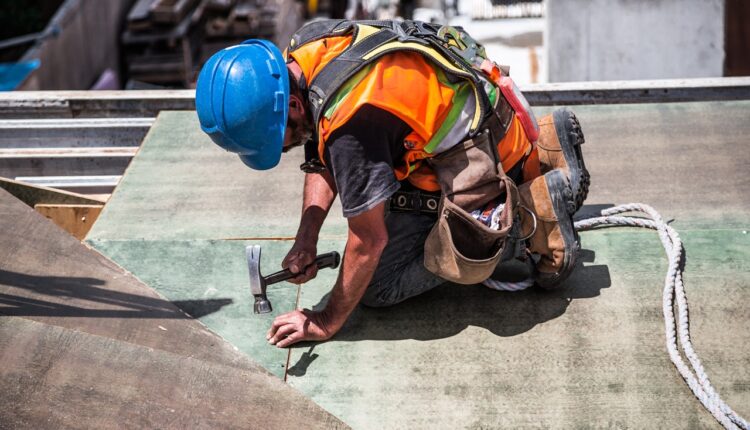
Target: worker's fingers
<point>290,340</point>
<point>282,333</point>
<point>297,261</point>
<point>279,321</point>
<point>310,272</point>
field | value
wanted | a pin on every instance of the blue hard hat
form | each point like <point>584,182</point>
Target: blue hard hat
<point>242,99</point>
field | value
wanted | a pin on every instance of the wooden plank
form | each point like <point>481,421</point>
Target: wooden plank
<point>36,194</point>
<point>75,219</point>
<point>49,276</point>
<point>53,377</point>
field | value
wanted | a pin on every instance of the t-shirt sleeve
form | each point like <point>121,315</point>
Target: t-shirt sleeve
<point>360,154</point>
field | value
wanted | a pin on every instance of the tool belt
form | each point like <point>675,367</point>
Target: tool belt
<point>460,248</point>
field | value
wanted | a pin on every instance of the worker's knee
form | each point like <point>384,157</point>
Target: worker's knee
<point>377,296</point>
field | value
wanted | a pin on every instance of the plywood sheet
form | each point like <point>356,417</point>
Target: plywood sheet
<point>48,276</point>
<point>182,186</point>
<point>75,219</point>
<point>85,344</point>
<point>54,377</point>
<point>589,356</point>
<point>36,194</point>
<point>194,274</point>
<point>688,160</point>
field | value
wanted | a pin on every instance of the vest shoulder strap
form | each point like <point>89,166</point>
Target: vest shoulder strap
<point>318,30</point>
<point>373,39</point>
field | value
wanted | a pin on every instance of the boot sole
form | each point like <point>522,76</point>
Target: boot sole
<point>571,138</point>
<point>562,197</point>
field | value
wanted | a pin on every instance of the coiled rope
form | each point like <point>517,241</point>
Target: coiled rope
<point>674,290</point>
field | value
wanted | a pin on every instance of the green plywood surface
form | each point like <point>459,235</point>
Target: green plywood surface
<point>590,355</point>
<point>202,270</point>
<point>688,160</point>
<point>167,220</point>
<point>181,186</point>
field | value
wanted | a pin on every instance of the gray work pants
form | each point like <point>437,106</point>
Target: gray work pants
<point>401,273</point>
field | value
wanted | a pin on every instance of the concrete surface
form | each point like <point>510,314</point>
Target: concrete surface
<point>84,344</point>
<point>589,355</point>
<point>599,40</point>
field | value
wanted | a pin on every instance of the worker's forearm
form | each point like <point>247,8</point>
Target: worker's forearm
<point>319,193</point>
<point>360,260</point>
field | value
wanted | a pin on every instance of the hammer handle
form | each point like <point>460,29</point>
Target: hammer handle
<point>331,259</point>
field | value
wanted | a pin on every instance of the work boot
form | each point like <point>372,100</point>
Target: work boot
<point>559,146</point>
<point>547,209</point>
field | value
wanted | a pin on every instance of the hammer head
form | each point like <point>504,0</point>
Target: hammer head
<point>257,283</point>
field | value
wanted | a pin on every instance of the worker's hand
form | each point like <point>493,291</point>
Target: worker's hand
<point>299,260</point>
<point>300,325</point>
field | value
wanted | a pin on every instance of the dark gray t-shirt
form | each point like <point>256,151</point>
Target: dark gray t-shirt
<point>360,155</point>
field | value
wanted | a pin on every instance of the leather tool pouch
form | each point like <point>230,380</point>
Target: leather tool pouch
<point>459,248</point>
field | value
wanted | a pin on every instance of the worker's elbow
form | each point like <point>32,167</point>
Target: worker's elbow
<point>379,242</point>
<point>372,243</point>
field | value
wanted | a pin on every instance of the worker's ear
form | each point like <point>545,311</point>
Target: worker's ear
<point>296,107</point>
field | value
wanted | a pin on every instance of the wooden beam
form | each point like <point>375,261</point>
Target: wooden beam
<point>75,219</point>
<point>36,194</point>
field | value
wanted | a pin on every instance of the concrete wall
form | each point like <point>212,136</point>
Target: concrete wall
<point>87,45</point>
<point>634,39</point>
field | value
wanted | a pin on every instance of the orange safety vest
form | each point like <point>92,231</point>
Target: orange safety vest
<point>408,86</point>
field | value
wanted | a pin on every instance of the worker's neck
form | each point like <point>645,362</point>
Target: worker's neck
<point>295,69</point>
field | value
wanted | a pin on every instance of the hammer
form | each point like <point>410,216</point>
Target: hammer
<point>258,282</point>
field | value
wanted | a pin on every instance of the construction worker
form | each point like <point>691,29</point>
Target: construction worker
<point>376,106</point>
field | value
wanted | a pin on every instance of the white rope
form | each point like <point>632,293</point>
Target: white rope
<point>674,290</point>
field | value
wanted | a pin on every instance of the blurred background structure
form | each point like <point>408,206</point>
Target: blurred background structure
<point>137,44</point>
<point>602,40</point>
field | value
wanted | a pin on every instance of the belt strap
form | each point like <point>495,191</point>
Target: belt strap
<point>414,201</point>
<point>499,120</point>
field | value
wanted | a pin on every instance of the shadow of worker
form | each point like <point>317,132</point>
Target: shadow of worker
<point>27,295</point>
<point>450,308</point>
